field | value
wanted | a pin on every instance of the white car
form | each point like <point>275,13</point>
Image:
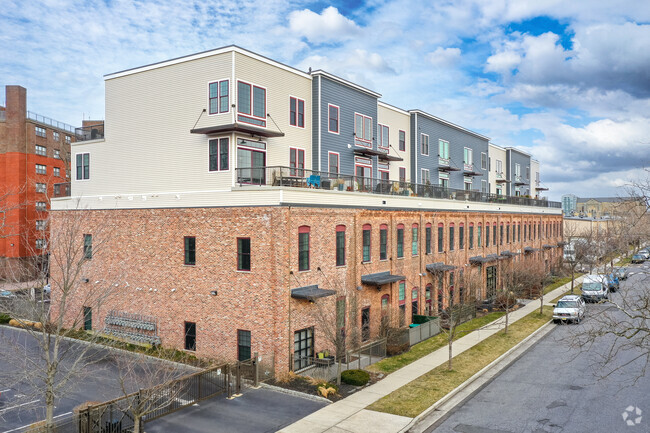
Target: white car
<point>595,288</point>
<point>570,308</point>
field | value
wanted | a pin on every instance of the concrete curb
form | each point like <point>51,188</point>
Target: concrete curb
<point>296,393</point>
<point>541,330</point>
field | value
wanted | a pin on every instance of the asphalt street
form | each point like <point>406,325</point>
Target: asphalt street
<point>555,388</point>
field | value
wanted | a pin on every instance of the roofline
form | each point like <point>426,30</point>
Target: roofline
<point>394,108</point>
<point>497,146</point>
<point>203,54</point>
<point>346,82</point>
<point>446,122</point>
<point>520,151</point>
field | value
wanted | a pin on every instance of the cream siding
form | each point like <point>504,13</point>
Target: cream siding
<point>496,153</point>
<point>396,120</point>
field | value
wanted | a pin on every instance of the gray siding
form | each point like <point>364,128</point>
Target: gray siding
<point>514,157</point>
<point>457,139</point>
<point>349,101</point>
<point>315,98</point>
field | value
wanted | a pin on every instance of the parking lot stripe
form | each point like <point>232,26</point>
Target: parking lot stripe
<point>5,390</point>
<point>18,405</point>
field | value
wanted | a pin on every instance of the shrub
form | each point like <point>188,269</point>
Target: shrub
<point>396,349</point>
<point>5,318</point>
<point>355,377</point>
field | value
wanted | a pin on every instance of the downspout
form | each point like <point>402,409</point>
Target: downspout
<point>289,339</point>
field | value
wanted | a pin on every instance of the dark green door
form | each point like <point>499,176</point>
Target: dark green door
<point>88,319</point>
<point>491,281</point>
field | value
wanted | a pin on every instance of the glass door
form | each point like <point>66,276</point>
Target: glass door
<point>252,166</point>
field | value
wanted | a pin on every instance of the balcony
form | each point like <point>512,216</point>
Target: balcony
<point>91,132</point>
<point>50,122</point>
<point>302,178</point>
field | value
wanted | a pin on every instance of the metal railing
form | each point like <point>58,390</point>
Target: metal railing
<point>91,132</point>
<point>304,178</point>
<point>49,121</point>
<point>61,190</point>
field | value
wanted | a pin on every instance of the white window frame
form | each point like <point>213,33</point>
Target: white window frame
<point>381,136</point>
<point>484,161</point>
<point>55,136</point>
<point>338,158</point>
<point>68,139</point>
<point>251,115</point>
<point>304,114</point>
<point>422,135</point>
<point>499,167</point>
<point>75,167</point>
<point>40,131</point>
<point>424,178</point>
<point>56,171</point>
<point>41,187</point>
<point>338,120</point>
<point>39,170</point>
<point>40,150</point>
<point>468,152</point>
<point>363,141</point>
<point>484,186</point>
<point>444,145</point>
<point>219,81</point>
<point>57,154</point>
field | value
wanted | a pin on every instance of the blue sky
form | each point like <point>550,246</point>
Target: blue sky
<point>568,82</point>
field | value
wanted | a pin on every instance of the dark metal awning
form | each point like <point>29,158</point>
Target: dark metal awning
<point>387,157</point>
<point>311,292</point>
<point>487,259</point>
<point>541,188</point>
<point>368,152</point>
<point>237,127</point>
<point>447,168</point>
<point>439,267</point>
<point>508,254</point>
<point>503,181</point>
<point>381,278</point>
<point>531,250</point>
<point>471,173</point>
<point>548,247</point>
<point>520,183</point>
<point>561,244</point>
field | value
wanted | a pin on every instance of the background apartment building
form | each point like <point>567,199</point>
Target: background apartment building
<point>34,156</point>
<point>251,201</point>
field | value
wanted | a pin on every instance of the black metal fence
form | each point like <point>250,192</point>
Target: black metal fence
<point>303,178</point>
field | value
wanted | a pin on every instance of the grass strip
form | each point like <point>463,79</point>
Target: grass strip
<point>416,396</point>
<point>424,348</point>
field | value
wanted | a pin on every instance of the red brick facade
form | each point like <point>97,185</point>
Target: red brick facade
<point>147,246</point>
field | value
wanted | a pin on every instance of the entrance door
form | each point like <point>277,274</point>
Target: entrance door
<point>88,319</point>
<point>365,324</point>
<point>491,282</point>
<point>251,164</point>
<point>303,348</point>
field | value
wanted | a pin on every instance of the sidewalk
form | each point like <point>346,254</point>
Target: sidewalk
<point>351,415</point>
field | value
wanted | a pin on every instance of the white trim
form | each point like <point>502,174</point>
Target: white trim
<point>201,55</point>
<point>338,118</point>
<point>75,167</point>
<point>237,112</point>
<point>346,82</point>
<point>219,159</point>
<point>363,140</point>
<point>320,124</point>
<point>380,136</point>
<point>338,158</point>
<point>487,163</point>
<point>304,114</point>
<point>415,151</point>
<point>422,170</point>
<point>518,151</point>
<point>453,125</point>
<point>392,107</point>
<point>219,97</point>
<point>304,154</point>
<point>428,144</point>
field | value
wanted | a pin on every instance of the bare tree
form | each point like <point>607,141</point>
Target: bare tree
<point>516,280</point>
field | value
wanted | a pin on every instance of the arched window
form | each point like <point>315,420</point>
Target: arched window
<point>414,302</point>
<point>340,245</point>
<point>451,236</point>
<point>441,237</point>
<point>427,238</point>
<point>400,241</point>
<point>366,242</point>
<point>303,248</point>
<point>479,235</point>
<point>383,242</point>
<point>415,236</point>
<point>471,236</point>
<point>427,300</point>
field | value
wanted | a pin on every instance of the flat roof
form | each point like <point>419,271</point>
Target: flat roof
<point>346,82</point>
<point>453,125</point>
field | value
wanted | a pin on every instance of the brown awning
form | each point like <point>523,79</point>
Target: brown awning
<point>237,127</point>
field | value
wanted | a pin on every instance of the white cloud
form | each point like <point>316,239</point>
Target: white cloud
<point>329,26</point>
<point>444,57</point>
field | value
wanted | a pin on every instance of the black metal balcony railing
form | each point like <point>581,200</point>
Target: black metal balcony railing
<point>92,132</point>
<point>48,121</point>
<point>62,189</point>
<point>303,178</point>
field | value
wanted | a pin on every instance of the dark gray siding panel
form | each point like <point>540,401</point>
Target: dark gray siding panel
<point>515,157</point>
<point>349,101</point>
<point>413,144</point>
<point>314,123</point>
<point>458,140</point>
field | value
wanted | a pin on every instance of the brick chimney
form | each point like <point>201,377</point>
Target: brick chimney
<point>15,113</point>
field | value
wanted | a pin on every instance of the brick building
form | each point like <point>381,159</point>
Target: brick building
<point>33,152</point>
<point>253,207</point>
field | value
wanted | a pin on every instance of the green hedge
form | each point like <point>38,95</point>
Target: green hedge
<point>355,377</point>
<point>5,318</point>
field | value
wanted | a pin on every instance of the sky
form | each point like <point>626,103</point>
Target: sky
<point>567,81</point>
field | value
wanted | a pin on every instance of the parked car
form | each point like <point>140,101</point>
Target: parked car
<point>570,308</point>
<point>7,294</point>
<point>622,273</point>
<point>645,254</point>
<point>47,289</point>
<point>594,288</point>
<point>638,258</point>
<point>612,282</point>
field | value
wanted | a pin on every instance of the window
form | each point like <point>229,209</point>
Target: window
<point>333,115</point>
<point>40,244</point>
<point>243,254</point>
<point>243,345</point>
<point>517,170</point>
<point>479,240</point>
<point>402,174</point>
<point>41,206</point>
<point>402,301</point>
<point>494,234</point>
<point>83,166</point>
<point>55,136</point>
<point>414,302</point>
<point>383,242</point>
<point>251,104</point>
<point>501,235</point>
<point>40,224</point>
<point>362,130</point>
<point>88,318</point>
<point>527,172</point>
<point>471,236</point>
<point>383,136</point>
<point>402,141</point>
<point>219,97</point>
<point>440,237</point>
<point>219,154</point>
<point>461,236</point>
<point>57,171</point>
<point>468,156</point>
<point>296,162</point>
<point>484,161</point>
<point>40,132</point>
<point>443,150</point>
<point>190,336</point>
<point>366,242</point>
<point>499,166</point>
<point>296,112</point>
<point>365,324</point>
<point>451,237</point>
<point>443,180</point>
<point>414,240</point>
<point>424,175</point>
<point>41,150</point>
<point>518,232</point>
<point>487,234</point>
<point>68,140</point>
<point>424,144</point>
<point>303,248</point>
<point>41,187</point>
<point>333,161</point>
<point>57,154</point>
<point>88,247</point>
<point>41,169</point>
<point>340,245</point>
<point>190,250</point>
<point>427,238</point>
<point>400,241</point>
<point>484,186</point>
<point>303,348</point>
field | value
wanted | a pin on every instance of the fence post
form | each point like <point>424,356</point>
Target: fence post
<point>338,373</point>
<point>228,385</point>
<point>256,371</point>
<point>359,355</point>
<point>238,378</point>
